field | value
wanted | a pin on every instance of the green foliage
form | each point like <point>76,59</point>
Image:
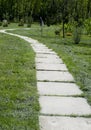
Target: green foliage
<point>68,27</point>
<point>77,35</point>
<point>88,26</point>
<point>58,31</point>
<point>0,23</point>
<point>52,11</point>
<point>21,23</point>
<point>69,34</point>
<point>29,21</point>
<point>5,23</point>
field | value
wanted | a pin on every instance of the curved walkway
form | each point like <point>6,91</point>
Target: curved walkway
<point>62,107</point>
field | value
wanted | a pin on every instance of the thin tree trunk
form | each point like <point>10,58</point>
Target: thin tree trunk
<point>63,30</point>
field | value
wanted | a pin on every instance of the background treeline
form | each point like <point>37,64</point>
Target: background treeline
<point>52,11</point>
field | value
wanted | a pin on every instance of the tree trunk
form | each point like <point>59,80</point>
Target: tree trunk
<point>63,29</point>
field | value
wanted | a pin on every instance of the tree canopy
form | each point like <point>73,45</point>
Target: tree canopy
<point>52,11</point>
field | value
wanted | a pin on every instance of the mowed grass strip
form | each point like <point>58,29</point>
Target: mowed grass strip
<point>77,57</point>
<point>19,107</point>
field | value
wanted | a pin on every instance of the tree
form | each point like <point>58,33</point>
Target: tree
<point>52,11</point>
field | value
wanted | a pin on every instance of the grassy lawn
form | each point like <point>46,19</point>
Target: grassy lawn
<point>76,57</point>
<point>19,107</point>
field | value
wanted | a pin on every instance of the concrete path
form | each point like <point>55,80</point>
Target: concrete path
<point>62,107</point>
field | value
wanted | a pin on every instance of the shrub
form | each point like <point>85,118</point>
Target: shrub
<point>48,21</point>
<point>68,27</point>
<point>29,25</point>
<point>57,32</point>
<point>0,23</point>
<point>5,23</point>
<point>21,23</point>
<point>88,26</point>
<point>29,21</point>
<point>77,35</point>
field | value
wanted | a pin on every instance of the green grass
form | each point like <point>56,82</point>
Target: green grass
<point>19,107</point>
<point>76,57</point>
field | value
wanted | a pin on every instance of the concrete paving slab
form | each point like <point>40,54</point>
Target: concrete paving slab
<point>46,55</point>
<point>48,60</point>
<point>64,123</point>
<point>30,40</point>
<point>51,53</point>
<point>54,76</point>
<point>39,46</point>
<point>64,105</point>
<point>43,51</point>
<point>43,66</point>
<point>53,88</point>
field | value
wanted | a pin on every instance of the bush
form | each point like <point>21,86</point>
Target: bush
<point>57,32</point>
<point>21,23</point>
<point>0,23</point>
<point>77,35</point>
<point>29,21</point>
<point>29,25</point>
<point>87,25</point>
<point>68,27</point>
<point>5,23</point>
